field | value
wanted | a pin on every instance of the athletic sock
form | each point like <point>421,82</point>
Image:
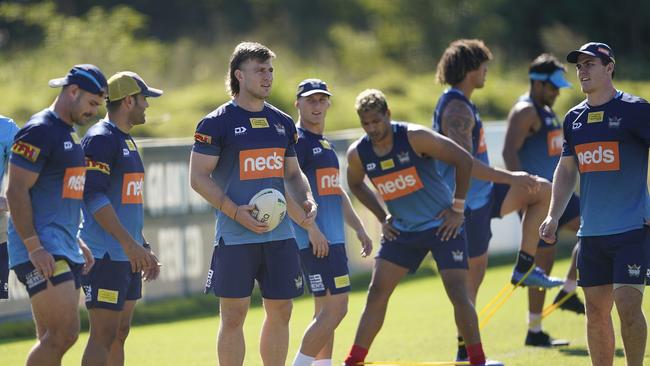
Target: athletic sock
<point>524,262</point>
<point>302,360</point>
<point>357,354</point>
<point>462,350</point>
<point>535,322</point>
<point>475,353</point>
<point>323,362</point>
<point>569,285</point>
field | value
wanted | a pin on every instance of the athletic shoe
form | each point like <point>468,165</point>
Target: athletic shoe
<point>492,363</point>
<point>535,278</point>
<point>461,354</point>
<point>542,339</point>
<point>572,303</point>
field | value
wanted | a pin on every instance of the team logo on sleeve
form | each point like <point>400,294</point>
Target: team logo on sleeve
<point>554,142</point>
<point>261,163</point>
<point>398,184</point>
<point>98,166</point>
<point>26,150</point>
<point>595,117</point>
<point>73,183</point>
<point>204,139</point>
<point>131,145</point>
<point>132,187</point>
<point>602,156</point>
<point>259,122</point>
<point>328,182</point>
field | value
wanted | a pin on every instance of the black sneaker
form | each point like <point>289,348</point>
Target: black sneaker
<point>571,303</point>
<point>542,339</point>
<point>461,354</point>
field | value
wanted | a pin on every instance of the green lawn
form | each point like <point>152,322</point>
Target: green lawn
<point>419,328</point>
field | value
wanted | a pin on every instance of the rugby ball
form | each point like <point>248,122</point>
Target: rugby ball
<point>270,207</point>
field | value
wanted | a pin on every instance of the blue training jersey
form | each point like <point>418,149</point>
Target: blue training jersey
<point>409,184</point>
<point>114,176</point>
<point>610,144</point>
<point>541,151</point>
<point>8,130</point>
<point>319,162</point>
<point>49,146</point>
<point>479,191</point>
<point>252,148</point>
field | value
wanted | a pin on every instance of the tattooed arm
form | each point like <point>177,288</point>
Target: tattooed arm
<point>457,124</point>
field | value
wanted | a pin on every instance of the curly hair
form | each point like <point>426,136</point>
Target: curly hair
<point>461,57</point>
<point>371,100</point>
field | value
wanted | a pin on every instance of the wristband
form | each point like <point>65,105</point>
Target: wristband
<point>36,250</point>
<point>458,202</point>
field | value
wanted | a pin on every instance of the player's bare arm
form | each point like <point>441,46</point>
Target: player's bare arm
<point>564,181</point>
<point>298,187</point>
<point>428,143</point>
<point>20,203</point>
<point>352,219</point>
<point>358,187</point>
<point>457,122</point>
<point>201,167</point>
<point>522,122</point>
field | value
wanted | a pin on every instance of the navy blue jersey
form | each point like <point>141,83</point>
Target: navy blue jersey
<point>252,147</point>
<point>320,164</point>
<point>478,194</point>
<point>114,176</point>
<point>541,151</point>
<point>410,185</point>
<point>610,144</point>
<point>49,146</point>
<point>8,130</point>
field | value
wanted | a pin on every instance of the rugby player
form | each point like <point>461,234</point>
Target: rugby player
<point>113,219</point>
<point>243,146</point>
<point>606,140</point>
<point>8,130</point>
<point>45,191</point>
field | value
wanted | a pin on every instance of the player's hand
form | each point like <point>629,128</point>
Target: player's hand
<point>366,242</point>
<point>310,212</point>
<point>452,222</point>
<point>319,244</point>
<point>151,273</point>
<point>547,230</point>
<point>388,231</point>
<point>244,218</point>
<point>43,261</point>
<point>89,259</point>
<point>525,181</point>
<point>140,258</point>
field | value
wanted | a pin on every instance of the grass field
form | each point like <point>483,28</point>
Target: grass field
<point>419,328</point>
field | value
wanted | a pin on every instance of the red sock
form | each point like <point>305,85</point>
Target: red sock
<point>357,354</point>
<point>475,353</point>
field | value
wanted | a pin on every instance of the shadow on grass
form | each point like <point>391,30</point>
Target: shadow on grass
<point>583,352</point>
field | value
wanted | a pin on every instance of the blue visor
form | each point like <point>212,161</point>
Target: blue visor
<point>556,78</point>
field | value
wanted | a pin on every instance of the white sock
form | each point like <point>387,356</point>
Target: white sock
<point>323,362</point>
<point>534,322</point>
<point>569,285</point>
<point>302,360</point>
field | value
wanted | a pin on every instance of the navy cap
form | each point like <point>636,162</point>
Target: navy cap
<point>88,77</point>
<point>595,49</point>
<point>308,87</point>
<point>556,78</point>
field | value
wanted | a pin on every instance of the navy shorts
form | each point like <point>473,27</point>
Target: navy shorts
<point>571,212</point>
<point>64,270</point>
<point>619,258</point>
<point>110,284</point>
<point>477,221</point>
<point>275,265</point>
<point>4,271</point>
<point>409,249</point>
<point>328,273</point>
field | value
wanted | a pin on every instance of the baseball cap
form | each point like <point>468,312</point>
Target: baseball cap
<point>88,77</point>
<point>126,83</point>
<point>595,49</point>
<point>556,78</point>
<point>308,87</point>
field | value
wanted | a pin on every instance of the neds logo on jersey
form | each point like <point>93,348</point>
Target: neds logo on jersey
<point>398,184</point>
<point>73,183</point>
<point>132,187</point>
<point>599,156</point>
<point>328,182</point>
<point>261,163</point>
<point>26,150</point>
<point>554,142</point>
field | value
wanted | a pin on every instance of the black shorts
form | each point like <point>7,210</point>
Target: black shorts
<point>65,270</point>
<point>110,283</point>
<point>4,271</point>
